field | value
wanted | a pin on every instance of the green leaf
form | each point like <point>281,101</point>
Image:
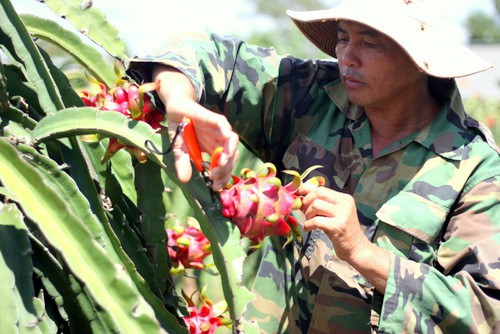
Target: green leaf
<point>91,22</point>
<point>222,234</point>
<point>4,99</point>
<point>69,97</point>
<point>16,269</point>
<point>22,94</point>
<point>26,51</point>
<point>74,303</point>
<point>150,194</point>
<point>122,169</point>
<point>117,178</point>
<point>106,280</point>
<point>150,191</point>
<point>17,116</point>
<point>6,193</point>
<point>45,323</point>
<point>66,187</point>
<point>102,232</point>
<point>83,53</point>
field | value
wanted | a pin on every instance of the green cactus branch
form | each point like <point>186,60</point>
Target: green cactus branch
<point>91,22</point>
<point>83,53</point>
<point>16,269</point>
<point>4,98</point>
<point>27,52</point>
<point>101,230</point>
<point>74,304</point>
<point>105,279</point>
<point>223,235</point>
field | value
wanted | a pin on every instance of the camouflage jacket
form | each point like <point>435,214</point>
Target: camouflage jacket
<point>431,199</point>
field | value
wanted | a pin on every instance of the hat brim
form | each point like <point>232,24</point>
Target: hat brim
<point>428,45</point>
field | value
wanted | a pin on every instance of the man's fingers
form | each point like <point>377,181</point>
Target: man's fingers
<point>318,222</point>
<point>183,165</point>
<point>305,188</point>
<point>181,155</point>
<point>230,150</point>
<point>221,175</point>
<point>320,208</point>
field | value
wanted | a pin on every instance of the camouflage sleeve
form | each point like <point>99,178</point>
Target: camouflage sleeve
<point>229,77</point>
<point>265,96</point>
<point>460,293</point>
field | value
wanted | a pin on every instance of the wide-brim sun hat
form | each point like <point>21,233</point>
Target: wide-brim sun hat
<point>418,26</point>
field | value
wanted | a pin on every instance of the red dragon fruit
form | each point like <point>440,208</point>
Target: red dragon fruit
<point>260,205</point>
<point>206,318</point>
<point>187,246</point>
<point>130,100</point>
<point>201,320</point>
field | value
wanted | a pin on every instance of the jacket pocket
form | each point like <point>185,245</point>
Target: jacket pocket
<point>410,226</point>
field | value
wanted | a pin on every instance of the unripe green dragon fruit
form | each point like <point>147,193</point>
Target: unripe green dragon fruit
<point>260,205</point>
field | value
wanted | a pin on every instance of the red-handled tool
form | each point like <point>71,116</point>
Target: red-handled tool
<point>186,128</point>
<point>192,143</point>
<point>195,153</point>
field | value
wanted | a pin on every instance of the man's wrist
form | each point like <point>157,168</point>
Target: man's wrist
<point>373,263</point>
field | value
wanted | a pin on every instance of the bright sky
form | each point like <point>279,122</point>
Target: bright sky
<point>140,22</point>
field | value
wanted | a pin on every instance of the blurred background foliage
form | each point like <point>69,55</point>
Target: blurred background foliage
<point>484,28</point>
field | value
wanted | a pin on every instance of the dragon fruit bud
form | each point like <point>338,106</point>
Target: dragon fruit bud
<point>120,94</point>
<point>113,147</point>
<point>133,91</point>
<point>260,205</point>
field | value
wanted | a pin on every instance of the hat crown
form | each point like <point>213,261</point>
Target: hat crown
<point>417,26</point>
<point>429,12</point>
<point>425,11</point>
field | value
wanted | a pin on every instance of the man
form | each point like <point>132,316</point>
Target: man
<point>405,236</point>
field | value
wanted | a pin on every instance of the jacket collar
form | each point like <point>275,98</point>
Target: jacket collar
<point>446,135</point>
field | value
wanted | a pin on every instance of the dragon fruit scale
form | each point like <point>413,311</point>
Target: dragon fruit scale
<point>260,205</point>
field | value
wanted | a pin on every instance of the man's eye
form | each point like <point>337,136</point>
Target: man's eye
<point>370,45</point>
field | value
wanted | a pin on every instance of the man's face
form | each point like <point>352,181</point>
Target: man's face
<point>374,69</point>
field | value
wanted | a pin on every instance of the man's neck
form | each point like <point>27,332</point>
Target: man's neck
<point>397,121</point>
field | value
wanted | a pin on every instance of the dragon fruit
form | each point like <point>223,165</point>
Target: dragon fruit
<point>206,318</point>
<point>260,205</point>
<point>187,246</point>
<point>130,100</point>
<point>201,320</point>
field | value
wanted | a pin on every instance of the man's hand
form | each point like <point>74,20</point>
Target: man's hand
<point>212,129</point>
<point>335,213</point>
